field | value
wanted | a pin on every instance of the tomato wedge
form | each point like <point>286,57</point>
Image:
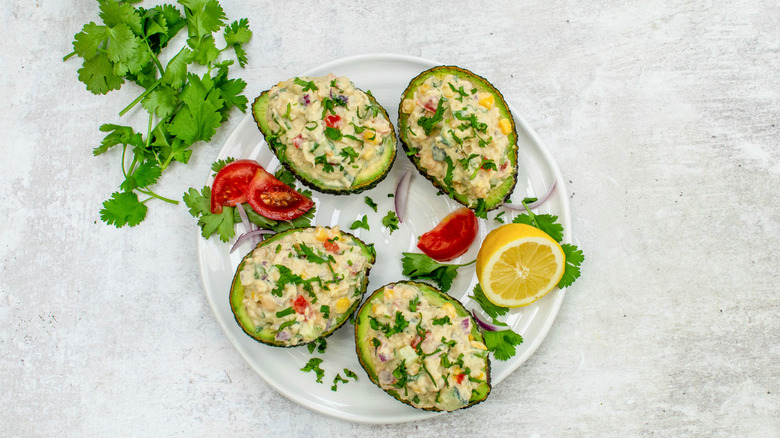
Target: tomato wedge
<point>451,237</point>
<point>274,199</point>
<point>231,184</point>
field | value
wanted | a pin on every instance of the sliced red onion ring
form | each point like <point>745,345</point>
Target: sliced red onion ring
<point>249,235</point>
<point>402,195</point>
<point>244,219</point>
<point>483,324</point>
<point>536,203</point>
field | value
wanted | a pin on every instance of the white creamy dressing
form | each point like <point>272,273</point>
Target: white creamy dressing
<point>434,360</point>
<point>331,128</point>
<point>296,295</point>
<point>474,152</point>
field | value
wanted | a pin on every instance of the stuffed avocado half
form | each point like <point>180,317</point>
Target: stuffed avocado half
<point>333,136</point>
<point>300,285</point>
<point>459,133</point>
<point>422,347</point>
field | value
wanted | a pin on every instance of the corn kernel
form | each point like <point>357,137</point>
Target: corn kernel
<point>449,309</point>
<point>407,106</point>
<point>505,126</point>
<point>479,345</point>
<point>342,305</point>
<point>487,100</point>
<point>471,337</point>
<point>375,309</point>
<point>481,376</point>
<point>389,294</point>
<point>447,92</point>
<point>370,136</point>
<point>321,234</point>
<point>424,88</point>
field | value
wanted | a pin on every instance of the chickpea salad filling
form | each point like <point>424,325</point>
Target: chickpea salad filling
<point>331,130</point>
<point>304,284</point>
<point>459,135</point>
<point>422,351</point>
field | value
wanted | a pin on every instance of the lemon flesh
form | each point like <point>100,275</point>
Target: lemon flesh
<point>517,264</point>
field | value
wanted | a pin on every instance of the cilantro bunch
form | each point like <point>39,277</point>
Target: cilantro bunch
<point>184,107</point>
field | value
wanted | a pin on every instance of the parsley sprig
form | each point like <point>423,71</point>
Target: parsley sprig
<point>184,107</point>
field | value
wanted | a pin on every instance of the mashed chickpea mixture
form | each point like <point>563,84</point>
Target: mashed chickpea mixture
<point>302,284</point>
<point>424,351</point>
<point>459,136</point>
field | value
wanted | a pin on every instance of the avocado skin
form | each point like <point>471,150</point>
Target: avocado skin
<point>237,295</point>
<point>259,110</point>
<point>499,194</point>
<point>363,350</point>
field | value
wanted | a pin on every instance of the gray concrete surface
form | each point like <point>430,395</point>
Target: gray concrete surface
<point>663,116</point>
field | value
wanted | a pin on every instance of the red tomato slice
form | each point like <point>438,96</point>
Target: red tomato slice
<point>451,237</point>
<point>231,184</point>
<point>274,199</point>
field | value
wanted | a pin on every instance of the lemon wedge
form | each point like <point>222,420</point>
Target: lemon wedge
<point>517,264</point>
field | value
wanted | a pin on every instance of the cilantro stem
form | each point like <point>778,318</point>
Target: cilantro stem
<point>139,98</point>
<point>155,195</point>
<point>69,55</point>
<point>531,214</point>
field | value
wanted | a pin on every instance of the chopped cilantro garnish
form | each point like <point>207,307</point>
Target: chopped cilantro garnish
<point>314,365</point>
<point>390,221</point>
<point>502,343</point>
<point>427,123</point>
<point>362,223</point>
<point>370,202</point>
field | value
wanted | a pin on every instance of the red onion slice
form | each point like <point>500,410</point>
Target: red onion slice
<point>244,219</point>
<point>483,324</point>
<point>536,203</point>
<point>402,195</point>
<point>248,235</point>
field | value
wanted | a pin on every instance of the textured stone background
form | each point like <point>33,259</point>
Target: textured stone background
<point>663,116</point>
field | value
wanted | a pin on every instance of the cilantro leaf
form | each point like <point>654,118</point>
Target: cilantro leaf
<point>544,222</point>
<point>420,266</point>
<point>574,258</point>
<point>200,117</point>
<point>236,35</point>
<point>87,42</point>
<point>361,223</point>
<point>123,208</point>
<point>502,343</point>
<point>219,164</point>
<point>491,309</point>
<point>285,176</point>
<point>390,221</point>
<point>98,74</point>
<point>147,173</point>
<point>198,203</point>
<point>336,381</point>
<point>161,101</point>
<point>118,135</point>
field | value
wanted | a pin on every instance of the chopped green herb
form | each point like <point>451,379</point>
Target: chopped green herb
<point>427,123</point>
<point>502,343</point>
<point>314,365</point>
<point>320,344</point>
<point>285,312</point>
<point>336,380</point>
<point>370,202</point>
<point>362,223</point>
<point>390,221</point>
<point>442,321</point>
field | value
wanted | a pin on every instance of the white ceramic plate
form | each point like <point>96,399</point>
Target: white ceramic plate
<point>386,76</point>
